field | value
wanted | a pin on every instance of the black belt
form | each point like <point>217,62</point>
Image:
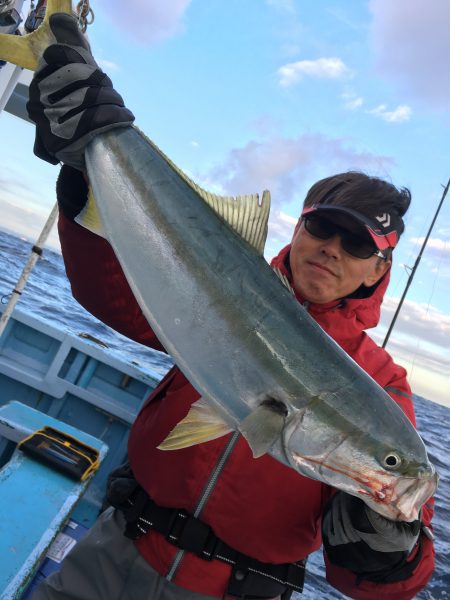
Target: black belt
<point>249,577</point>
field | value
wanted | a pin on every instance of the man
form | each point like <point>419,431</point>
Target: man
<point>210,521</point>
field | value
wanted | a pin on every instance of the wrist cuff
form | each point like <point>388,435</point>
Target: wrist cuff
<point>71,191</point>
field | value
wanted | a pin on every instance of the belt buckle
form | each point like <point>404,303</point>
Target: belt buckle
<point>191,534</point>
<point>176,526</point>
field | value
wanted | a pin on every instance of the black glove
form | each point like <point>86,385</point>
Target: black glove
<point>120,486</point>
<point>359,539</point>
<point>71,191</point>
<point>71,99</point>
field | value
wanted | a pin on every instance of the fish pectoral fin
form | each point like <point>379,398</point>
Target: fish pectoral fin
<point>201,424</point>
<point>261,428</point>
<point>89,217</point>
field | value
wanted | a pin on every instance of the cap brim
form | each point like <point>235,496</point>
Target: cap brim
<point>382,239</point>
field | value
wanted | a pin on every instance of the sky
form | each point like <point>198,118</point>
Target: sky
<point>276,94</point>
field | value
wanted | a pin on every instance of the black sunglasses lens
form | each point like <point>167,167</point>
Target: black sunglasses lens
<point>358,246</point>
<point>353,244</point>
<point>319,228</point>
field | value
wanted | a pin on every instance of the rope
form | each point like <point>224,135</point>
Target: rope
<point>85,15</point>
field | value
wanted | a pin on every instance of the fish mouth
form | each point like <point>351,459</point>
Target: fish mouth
<point>396,497</point>
<point>401,498</point>
<point>410,494</point>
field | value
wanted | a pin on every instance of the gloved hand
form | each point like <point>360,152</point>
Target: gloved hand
<point>71,99</point>
<point>120,486</point>
<point>359,539</point>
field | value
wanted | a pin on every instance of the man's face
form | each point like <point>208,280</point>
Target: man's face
<point>322,271</point>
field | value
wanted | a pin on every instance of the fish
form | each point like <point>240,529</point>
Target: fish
<point>261,365</point>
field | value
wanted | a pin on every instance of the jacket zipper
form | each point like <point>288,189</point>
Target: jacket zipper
<point>207,491</point>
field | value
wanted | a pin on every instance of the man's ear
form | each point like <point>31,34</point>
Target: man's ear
<point>379,269</point>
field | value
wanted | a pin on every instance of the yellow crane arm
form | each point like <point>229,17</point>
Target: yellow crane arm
<point>25,51</point>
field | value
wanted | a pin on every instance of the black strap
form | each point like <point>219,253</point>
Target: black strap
<point>249,577</point>
<point>400,571</point>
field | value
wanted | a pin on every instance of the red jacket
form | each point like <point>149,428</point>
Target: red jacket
<point>258,506</point>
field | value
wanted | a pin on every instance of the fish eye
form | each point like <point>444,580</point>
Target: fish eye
<point>392,461</point>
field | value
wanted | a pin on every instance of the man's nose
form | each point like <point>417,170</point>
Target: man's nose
<point>332,246</point>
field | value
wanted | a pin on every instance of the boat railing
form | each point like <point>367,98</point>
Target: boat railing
<point>77,381</point>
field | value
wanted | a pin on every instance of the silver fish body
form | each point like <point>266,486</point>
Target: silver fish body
<point>244,342</point>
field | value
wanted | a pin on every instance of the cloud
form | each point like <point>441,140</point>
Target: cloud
<point>322,68</point>
<point>149,21</point>
<point>15,185</point>
<point>281,227</point>
<point>398,115</point>
<point>282,5</point>
<point>108,65</point>
<point>422,322</point>
<point>427,373</point>
<point>354,104</point>
<point>265,125</point>
<point>419,342</point>
<point>445,231</point>
<point>285,165</point>
<point>27,222</point>
<point>436,246</point>
<point>26,204</point>
<point>17,188</point>
<point>344,15</point>
<point>410,351</point>
<point>352,101</point>
<point>411,47</point>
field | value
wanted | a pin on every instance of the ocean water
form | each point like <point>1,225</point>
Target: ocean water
<point>47,296</point>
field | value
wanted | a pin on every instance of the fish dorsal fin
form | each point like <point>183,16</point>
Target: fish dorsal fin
<point>89,217</point>
<point>201,424</point>
<point>262,427</point>
<point>246,215</point>
<point>284,280</point>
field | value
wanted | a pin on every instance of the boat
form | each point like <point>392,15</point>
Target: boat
<point>49,377</point>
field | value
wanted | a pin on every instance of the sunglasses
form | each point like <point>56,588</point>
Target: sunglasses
<point>356,245</point>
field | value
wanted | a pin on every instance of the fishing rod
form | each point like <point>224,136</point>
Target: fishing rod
<point>36,253</point>
<point>416,264</point>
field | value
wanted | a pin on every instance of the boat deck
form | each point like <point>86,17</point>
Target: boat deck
<point>77,381</point>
